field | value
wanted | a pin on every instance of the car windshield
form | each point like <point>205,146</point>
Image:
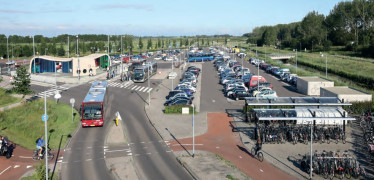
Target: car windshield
<point>92,111</point>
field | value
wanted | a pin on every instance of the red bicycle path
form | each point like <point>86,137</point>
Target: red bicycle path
<point>220,139</point>
<point>20,163</point>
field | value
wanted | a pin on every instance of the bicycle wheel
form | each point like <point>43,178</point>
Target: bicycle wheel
<point>35,156</point>
<point>348,173</point>
<point>260,156</point>
<point>363,124</point>
<point>50,156</point>
<point>253,151</point>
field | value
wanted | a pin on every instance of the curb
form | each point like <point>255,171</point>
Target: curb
<point>145,104</point>
<point>188,168</point>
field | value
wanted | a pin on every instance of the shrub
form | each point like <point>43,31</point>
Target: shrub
<point>177,109</point>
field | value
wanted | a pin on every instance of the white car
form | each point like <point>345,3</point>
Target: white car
<point>158,58</point>
<point>255,92</point>
<point>187,86</point>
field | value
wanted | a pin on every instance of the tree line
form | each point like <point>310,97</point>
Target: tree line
<point>349,24</point>
<point>22,46</point>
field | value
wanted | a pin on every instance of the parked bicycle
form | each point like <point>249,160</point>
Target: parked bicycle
<point>36,156</point>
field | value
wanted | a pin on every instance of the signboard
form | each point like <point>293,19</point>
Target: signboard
<point>72,101</point>
<point>185,110</point>
<point>44,117</point>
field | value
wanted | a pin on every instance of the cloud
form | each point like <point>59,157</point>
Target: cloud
<point>9,11</point>
<point>127,6</point>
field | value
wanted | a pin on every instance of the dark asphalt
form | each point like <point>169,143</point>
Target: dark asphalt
<point>84,156</point>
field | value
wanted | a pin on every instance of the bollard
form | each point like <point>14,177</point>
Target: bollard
<point>116,121</point>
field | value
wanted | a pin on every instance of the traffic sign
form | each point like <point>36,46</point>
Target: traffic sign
<point>44,117</point>
<point>72,101</point>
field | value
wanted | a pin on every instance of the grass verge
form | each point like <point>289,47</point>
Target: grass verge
<point>7,99</point>
<point>23,124</point>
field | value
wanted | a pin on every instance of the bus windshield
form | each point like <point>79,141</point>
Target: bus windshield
<point>92,111</point>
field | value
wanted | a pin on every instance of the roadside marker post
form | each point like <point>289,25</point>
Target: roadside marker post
<point>72,101</point>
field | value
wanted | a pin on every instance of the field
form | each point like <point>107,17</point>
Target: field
<point>23,124</point>
<point>6,99</point>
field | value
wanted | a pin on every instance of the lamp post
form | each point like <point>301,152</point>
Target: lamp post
<point>296,59</point>
<point>79,74</point>
<point>68,47</point>
<point>45,52</point>
<point>108,44</point>
<point>258,71</point>
<point>46,135</point>
<point>311,150</point>
<point>121,58</point>
<point>193,130</point>
<point>325,62</point>
<point>149,92</point>
<point>33,48</point>
<point>7,48</point>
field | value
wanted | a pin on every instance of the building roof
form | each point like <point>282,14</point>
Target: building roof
<point>345,90</point>
<point>52,58</point>
<point>314,79</point>
<point>90,57</point>
<point>295,101</point>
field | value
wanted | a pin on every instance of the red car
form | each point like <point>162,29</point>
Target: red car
<point>126,59</point>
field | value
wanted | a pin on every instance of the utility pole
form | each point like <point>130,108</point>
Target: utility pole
<point>68,46</point>
<point>79,74</point>
<point>33,47</point>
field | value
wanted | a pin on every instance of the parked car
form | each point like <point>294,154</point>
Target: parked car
<point>240,95</point>
<point>237,88</point>
<point>187,87</point>
<point>268,94</point>
<point>255,79</point>
<point>260,90</point>
<point>178,102</point>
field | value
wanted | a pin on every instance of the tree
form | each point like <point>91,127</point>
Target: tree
<point>61,51</point>
<point>186,43</point>
<point>140,44</point>
<point>158,42</point>
<point>269,36</point>
<point>149,44</point>
<point>22,81</point>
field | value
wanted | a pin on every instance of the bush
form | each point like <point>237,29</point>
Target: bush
<point>358,108</point>
<point>177,109</point>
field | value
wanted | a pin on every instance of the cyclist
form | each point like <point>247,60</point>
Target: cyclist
<point>258,145</point>
<point>39,144</point>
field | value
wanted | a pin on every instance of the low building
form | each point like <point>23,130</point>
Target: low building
<point>311,85</point>
<point>87,64</point>
<point>346,94</point>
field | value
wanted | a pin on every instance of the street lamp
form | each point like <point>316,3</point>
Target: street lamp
<point>296,59</point>
<point>193,130</point>
<point>45,52</point>
<point>79,73</point>
<point>108,44</point>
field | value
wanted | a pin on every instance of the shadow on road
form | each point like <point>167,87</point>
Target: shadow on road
<point>244,150</point>
<point>178,141</point>
<point>58,154</point>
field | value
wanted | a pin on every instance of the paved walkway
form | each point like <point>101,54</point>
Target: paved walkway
<point>221,140</point>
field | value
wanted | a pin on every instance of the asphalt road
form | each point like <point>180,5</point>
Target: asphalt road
<point>84,156</point>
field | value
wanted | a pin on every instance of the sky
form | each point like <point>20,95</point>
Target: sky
<point>151,17</point>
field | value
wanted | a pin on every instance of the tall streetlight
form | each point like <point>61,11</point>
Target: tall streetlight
<point>33,48</point>
<point>79,74</point>
<point>7,47</point>
<point>149,79</point>
<point>68,47</point>
<point>258,70</point>
<point>108,44</point>
<point>193,130</point>
<point>121,59</point>
<point>296,59</point>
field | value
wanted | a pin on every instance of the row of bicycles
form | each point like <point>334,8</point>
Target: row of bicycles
<point>333,164</point>
<point>280,133</point>
<point>367,125</point>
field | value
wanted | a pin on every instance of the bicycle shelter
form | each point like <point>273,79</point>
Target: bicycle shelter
<point>302,110</point>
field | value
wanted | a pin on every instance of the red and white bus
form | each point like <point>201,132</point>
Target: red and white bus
<point>93,105</point>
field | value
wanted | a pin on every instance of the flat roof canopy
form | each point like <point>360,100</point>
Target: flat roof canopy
<point>295,101</point>
<point>304,115</point>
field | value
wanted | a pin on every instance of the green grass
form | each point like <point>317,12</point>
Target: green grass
<point>23,124</point>
<point>7,99</point>
<point>229,176</point>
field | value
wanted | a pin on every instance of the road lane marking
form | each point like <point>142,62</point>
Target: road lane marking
<point>5,170</point>
<point>261,170</point>
<point>137,88</point>
<point>134,87</point>
<point>88,159</point>
<point>142,142</point>
<point>24,157</point>
<point>16,166</point>
<point>141,88</point>
<point>117,150</point>
<point>145,89</point>
<point>168,151</point>
<point>240,157</point>
<point>148,153</point>
<point>149,90</point>
<point>28,167</point>
<point>217,147</point>
<point>129,154</point>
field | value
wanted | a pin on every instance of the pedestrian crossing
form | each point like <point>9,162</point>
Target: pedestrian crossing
<point>52,91</point>
<point>130,85</point>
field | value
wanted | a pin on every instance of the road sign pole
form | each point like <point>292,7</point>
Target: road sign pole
<point>72,101</point>
<point>193,130</point>
<point>45,135</point>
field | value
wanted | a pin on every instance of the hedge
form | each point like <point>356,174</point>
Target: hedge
<point>177,109</point>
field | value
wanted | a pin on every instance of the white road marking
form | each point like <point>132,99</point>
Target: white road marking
<point>117,150</point>
<point>240,157</point>
<point>16,166</point>
<point>148,153</point>
<point>24,157</point>
<point>88,159</point>
<point>217,147</point>
<point>145,89</point>
<point>149,90</point>
<point>261,170</point>
<point>142,142</point>
<point>134,87</point>
<point>59,161</point>
<point>5,170</point>
<point>137,155</point>
<point>145,147</point>
<point>28,167</point>
<point>141,88</point>
<point>61,157</point>
<point>213,100</point>
<point>137,88</point>
<point>129,154</point>
<point>168,151</point>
